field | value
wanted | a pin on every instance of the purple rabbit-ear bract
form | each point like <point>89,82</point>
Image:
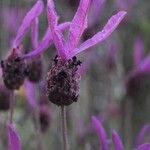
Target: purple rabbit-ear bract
<point>138,51</point>
<point>34,33</point>
<point>45,43</point>
<point>144,147</point>
<point>30,94</point>
<point>30,16</point>
<point>78,24</point>
<point>141,135</point>
<point>13,137</point>
<point>100,132</point>
<point>117,141</point>
<point>111,25</point>
<point>56,34</point>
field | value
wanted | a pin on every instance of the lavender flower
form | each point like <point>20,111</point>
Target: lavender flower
<point>13,66</point>
<point>140,69</point>
<point>115,137</point>
<point>63,76</point>
<point>13,138</point>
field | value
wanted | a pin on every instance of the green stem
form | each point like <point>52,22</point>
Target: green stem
<point>64,128</point>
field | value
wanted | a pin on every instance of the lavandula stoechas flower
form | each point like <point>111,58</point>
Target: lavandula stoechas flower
<point>63,78</point>
<point>115,138</point>
<point>140,69</point>
<point>13,66</point>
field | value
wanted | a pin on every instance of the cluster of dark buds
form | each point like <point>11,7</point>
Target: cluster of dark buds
<point>63,81</point>
<point>13,68</point>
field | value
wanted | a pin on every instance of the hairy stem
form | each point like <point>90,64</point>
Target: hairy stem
<point>64,128</point>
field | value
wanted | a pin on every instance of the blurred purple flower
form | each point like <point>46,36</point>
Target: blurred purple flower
<point>11,17</point>
<point>117,141</point>
<point>95,11</point>
<point>30,94</point>
<point>143,132</point>
<point>138,51</point>
<point>67,50</point>
<point>125,4</point>
<point>13,137</point>
<point>115,138</point>
<point>101,133</point>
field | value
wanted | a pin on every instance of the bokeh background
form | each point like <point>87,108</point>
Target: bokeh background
<point>104,92</point>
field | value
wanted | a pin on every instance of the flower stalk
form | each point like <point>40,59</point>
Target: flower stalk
<point>64,128</point>
<point>12,104</point>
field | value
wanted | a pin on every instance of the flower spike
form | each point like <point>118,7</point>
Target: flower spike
<point>117,141</point>
<point>30,16</point>
<point>111,25</point>
<point>100,132</point>
<point>13,137</point>
<point>78,24</point>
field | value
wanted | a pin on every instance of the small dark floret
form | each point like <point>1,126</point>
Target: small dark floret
<point>34,70</point>
<point>13,69</point>
<point>63,81</point>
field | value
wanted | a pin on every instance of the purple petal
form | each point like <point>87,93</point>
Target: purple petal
<point>78,24</point>
<point>95,12</point>
<point>117,141</point>
<point>34,33</point>
<point>144,147</point>
<point>46,42</point>
<point>111,25</point>
<point>13,138</point>
<point>138,51</point>
<point>144,66</point>
<point>30,93</point>
<point>100,132</point>
<point>142,134</point>
<point>56,34</point>
<point>30,16</point>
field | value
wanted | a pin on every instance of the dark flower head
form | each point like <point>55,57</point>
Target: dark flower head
<point>63,81</point>
<point>13,68</point>
<point>34,70</point>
